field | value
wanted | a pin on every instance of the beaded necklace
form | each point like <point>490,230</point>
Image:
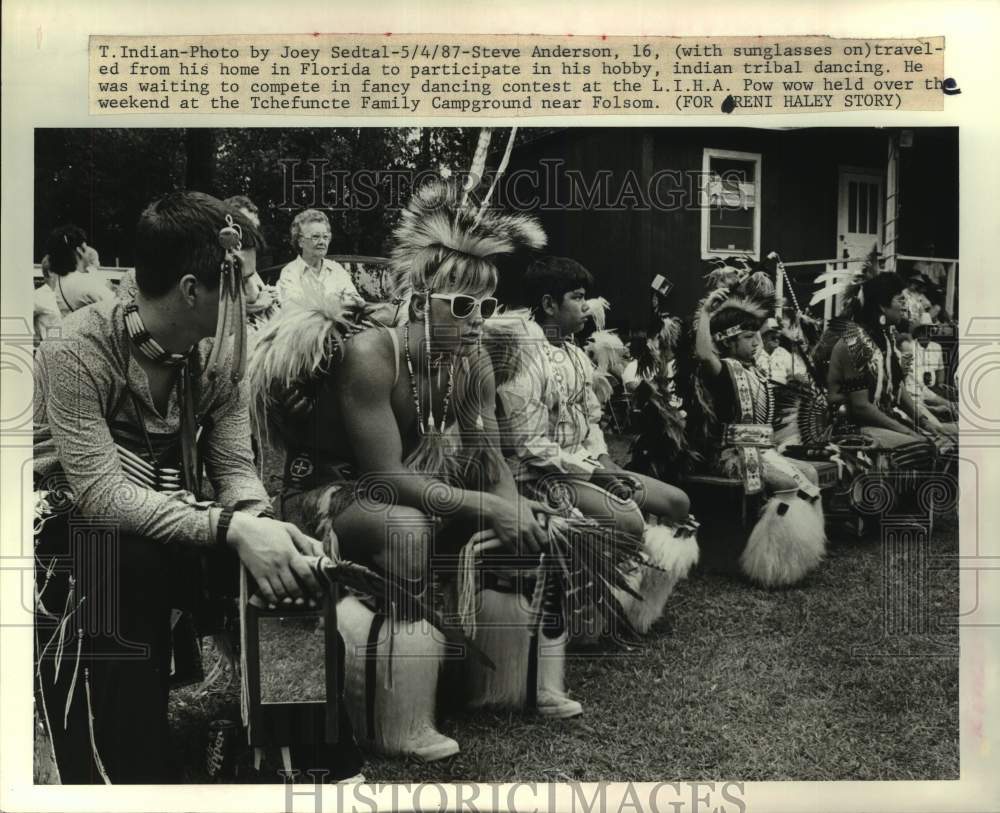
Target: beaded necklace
<point>762,396</point>
<point>430,426</point>
<point>149,347</point>
<point>570,399</point>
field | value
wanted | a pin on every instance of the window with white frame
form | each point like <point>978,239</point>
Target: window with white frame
<point>730,204</point>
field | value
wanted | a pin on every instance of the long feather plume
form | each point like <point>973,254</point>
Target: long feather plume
<point>669,334</point>
<point>599,308</point>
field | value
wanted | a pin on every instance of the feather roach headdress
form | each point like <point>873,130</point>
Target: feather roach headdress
<point>749,302</point>
<point>446,243</point>
<point>443,244</point>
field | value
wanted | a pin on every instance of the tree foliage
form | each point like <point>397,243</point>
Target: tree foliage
<point>101,179</point>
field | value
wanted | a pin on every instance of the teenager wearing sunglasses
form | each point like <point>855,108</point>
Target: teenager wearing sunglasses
<point>399,412</point>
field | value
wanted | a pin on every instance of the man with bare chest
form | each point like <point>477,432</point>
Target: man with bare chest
<point>398,457</point>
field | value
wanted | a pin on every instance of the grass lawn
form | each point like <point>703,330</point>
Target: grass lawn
<point>847,676</point>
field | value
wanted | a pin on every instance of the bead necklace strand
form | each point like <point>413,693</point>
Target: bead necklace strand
<point>430,426</point>
<point>146,343</point>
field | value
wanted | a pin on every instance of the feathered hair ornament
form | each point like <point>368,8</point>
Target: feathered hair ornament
<point>749,301</point>
<point>659,421</point>
<point>609,355</point>
<point>232,316</point>
<point>599,308</point>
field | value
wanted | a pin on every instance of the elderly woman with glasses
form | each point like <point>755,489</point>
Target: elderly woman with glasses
<point>311,238</point>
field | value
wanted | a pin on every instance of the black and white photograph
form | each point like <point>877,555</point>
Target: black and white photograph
<point>455,406</point>
<point>495,454</point>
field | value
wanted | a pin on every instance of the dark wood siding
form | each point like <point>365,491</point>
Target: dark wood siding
<point>626,240</point>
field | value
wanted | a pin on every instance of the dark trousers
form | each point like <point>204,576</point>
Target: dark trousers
<point>107,706</point>
<point>116,691</point>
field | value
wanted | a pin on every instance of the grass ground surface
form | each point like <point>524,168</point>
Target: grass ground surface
<point>848,676</point>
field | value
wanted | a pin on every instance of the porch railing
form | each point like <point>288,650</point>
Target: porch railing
<point>833,305</point>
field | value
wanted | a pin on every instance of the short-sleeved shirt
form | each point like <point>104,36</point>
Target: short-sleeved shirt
<point>76,289</point>
<point>332,277</point>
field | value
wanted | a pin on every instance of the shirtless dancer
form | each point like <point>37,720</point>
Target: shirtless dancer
<point>398,455</point>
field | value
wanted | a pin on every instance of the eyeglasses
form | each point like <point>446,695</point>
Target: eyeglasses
<point>463,305</point>
<point>317,238</point>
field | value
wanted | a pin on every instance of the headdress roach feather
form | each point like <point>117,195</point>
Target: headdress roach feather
<point>438,224</point>
<point>445,243</point>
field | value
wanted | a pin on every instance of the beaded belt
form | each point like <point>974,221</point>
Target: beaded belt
<point>749,439</point>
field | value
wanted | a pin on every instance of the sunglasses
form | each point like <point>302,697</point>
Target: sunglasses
<point>463,305</point>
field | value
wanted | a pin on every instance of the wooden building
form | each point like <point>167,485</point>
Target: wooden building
<point>629,203</point>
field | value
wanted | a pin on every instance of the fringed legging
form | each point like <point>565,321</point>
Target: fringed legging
<point>103,656</point>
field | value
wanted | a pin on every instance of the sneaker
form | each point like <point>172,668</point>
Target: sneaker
<point>558,706</point>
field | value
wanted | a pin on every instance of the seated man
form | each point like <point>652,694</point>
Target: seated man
<point>737,399</point>
<point>120,400</point>
<point>397,457</point>
<point>919,376</point>
<point>551,413</point>
<point>863,371</point>
<point>551,429</point>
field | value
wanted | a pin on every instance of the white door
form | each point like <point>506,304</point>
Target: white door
<point>859,212</point>
<point>859,218</point>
